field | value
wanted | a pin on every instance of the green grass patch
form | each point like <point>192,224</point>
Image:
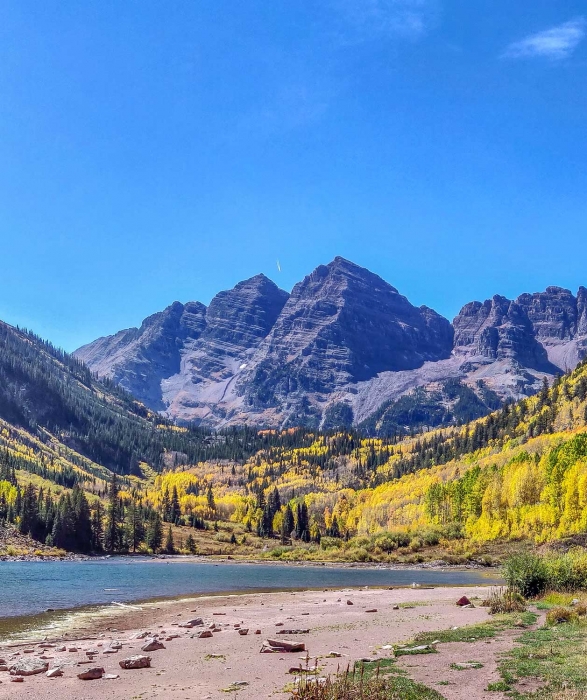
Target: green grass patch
<point>499,686</point>
<point>351,686</point>
<point>472,633</point>
<point>554,655</point>
<point>466,666</point>
<point>383,667</point>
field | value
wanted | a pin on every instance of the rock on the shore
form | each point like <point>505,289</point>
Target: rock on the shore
<point>137,661</point>
<point>195,622</point>
<point>29,667</point>
<point>284,645</point>
<point>152,645</point>
<point>204,634</point>
<point>91,674</point>
<point>54,672</point>
<point>461,602</point>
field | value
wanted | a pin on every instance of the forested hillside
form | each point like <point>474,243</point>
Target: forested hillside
<point>520,472</point>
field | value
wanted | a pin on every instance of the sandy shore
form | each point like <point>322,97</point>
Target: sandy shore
<point>204,668</point>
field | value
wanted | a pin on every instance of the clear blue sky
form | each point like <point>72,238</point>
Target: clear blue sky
<point>161,150</point>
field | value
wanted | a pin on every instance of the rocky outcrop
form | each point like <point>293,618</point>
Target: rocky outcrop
<point>139,358</point>
<point>344,343</point>
<point>181,360</point>
<point>341,325</point>
<point>499,329</point>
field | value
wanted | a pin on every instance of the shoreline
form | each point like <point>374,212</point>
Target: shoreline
<point>437,564</point>
<point>94,614</point>
<point>352,622</point>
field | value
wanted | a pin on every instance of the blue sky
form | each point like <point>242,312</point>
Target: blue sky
<point>154,151</point>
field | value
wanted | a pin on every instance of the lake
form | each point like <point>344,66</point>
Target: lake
<point>30,588</point>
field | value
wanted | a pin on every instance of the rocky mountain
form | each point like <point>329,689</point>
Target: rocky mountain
<point>344,348</point>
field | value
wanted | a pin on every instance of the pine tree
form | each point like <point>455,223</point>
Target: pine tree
<point>113,532</point>
<point>190,544</point>
<point>28,511</point>
<point>97,527</point>
<point>210,498</point>
<point>174,509</point>
<point>82,520</point>
<point>288,523</point>
<point>169,545</point>
<point>134,529</point>
<point>155,532</point>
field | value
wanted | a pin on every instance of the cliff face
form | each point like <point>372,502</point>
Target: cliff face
<point>344,343</point>
<point>139,358</point>
<point>341,325</point>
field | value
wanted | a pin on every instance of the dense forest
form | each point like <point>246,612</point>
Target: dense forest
<point>85,467</point>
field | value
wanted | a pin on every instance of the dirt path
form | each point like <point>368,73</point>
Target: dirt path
<point>466,682</point>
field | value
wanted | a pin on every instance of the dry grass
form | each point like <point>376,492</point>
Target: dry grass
<point>504,600</point>
<point>558,616</point>
<point>360,684</point>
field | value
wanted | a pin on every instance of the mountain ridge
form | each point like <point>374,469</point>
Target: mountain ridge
<point>344,342</point>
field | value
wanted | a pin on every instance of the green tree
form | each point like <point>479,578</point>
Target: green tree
<point>155,533</point>
<point>113,535</point>
<point>169,544</point>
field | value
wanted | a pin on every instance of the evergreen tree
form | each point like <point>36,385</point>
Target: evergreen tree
<point>155,532</point>
<point>169,545</point>
<point>113,534</point>
<point>134,529</point>
<point>210,498</point>
<point>82,524</point>
<point>190,544</point>
<point>97,527</point>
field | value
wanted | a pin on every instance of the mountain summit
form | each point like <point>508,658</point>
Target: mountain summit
<point>345,346</point>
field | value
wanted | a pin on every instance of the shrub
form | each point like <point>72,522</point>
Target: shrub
<point>386,542</point>
<point>567,572</point>
<point>331,543</point>
<point>526,573</point>
<point>430,538</point>
<point>558,616</point>
<point>453,531</point>
<point>358,554</point>
<point>504,600</point>
<point>416,544</point>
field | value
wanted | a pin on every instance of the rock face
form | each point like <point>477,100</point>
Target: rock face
<point>341,325</point>
<point>138,358</point>
<point>344,343</point>
<point>182,360</point>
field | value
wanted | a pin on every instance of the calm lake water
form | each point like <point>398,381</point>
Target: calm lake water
<point>29,588</point>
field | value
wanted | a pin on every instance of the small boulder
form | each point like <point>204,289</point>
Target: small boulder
<point>54,672</point>
<point>17,679</point>
<point>395,607</point>
<point>243,632</point>
<point>152,645</point>
<point>371,610</point>
<point>110,676</point>
<point>137,661</point>
<point>349,602</point>
<point>204,634</point>
<point>461,602</point>
<point>91,674</point>
<point>194,622</point>
<point>29,667</point>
